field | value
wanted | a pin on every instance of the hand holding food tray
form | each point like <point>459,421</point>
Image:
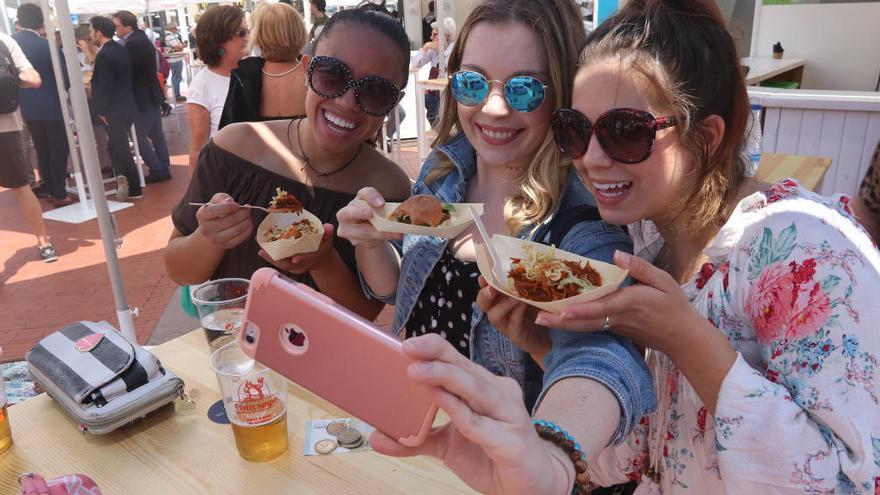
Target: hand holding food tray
<point>423,215</point>
<point>289,229</point>
<point>546,277</point>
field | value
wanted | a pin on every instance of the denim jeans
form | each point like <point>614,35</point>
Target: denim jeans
<point>176,77</point>
<point>151,141</point>
<point>432,107</point>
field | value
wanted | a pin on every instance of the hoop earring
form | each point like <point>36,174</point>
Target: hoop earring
<point>221,52</point>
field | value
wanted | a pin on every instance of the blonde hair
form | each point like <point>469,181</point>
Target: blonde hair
<point>558,28</point>
<point>278,32</point>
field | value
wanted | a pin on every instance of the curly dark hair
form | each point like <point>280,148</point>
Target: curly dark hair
<point>217,26</point>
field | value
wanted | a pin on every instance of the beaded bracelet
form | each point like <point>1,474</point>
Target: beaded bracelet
<point>551,432</point>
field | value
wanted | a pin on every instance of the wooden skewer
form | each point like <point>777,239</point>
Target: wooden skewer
<point>267,210</point>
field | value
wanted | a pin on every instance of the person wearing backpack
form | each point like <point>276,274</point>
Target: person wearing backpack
<point>17,72</point>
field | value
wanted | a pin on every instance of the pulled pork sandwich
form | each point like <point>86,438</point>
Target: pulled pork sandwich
<point>422,209</point>
<point>284,202</point>
<point>542,277</point>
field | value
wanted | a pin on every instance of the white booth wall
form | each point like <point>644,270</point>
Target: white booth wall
<point>839,42</point>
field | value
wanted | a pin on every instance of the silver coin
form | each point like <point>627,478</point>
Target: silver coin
<point>335,427</point>
<point>325,446</point>
<point>350,438</point>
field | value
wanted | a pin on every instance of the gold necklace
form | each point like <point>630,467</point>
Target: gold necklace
<point>282,74</point>
<point>321,176</point>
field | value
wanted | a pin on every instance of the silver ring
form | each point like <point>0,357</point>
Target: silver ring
<point>607,323</point>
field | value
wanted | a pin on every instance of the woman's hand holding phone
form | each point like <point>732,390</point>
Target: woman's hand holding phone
<point>354,221</point>
<point>224,222</point>
<point>490,442</point>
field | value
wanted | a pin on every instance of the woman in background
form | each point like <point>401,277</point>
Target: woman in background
<point>271,86</point>
<point>222,41</point>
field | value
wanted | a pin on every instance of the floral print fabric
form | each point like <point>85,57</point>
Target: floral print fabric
<point>794,284</point>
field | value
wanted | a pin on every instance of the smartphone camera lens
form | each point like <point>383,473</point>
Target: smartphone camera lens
<point>249,337</point>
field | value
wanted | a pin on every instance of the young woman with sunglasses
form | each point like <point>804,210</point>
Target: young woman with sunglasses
<point>761,309</point>
<point>495,147</point>
<point>322,160</point>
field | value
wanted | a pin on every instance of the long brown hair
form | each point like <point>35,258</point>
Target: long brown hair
<point>683,48</point>
<point>558,27</point>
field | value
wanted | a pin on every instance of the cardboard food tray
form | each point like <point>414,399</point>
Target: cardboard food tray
<point>510,247</point>
<point>285,248</point>
<point>459,220</point>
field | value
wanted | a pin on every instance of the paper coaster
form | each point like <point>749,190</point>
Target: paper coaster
<point>217,413</point>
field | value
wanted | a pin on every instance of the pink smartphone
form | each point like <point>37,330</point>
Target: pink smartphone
<point>325,348</point>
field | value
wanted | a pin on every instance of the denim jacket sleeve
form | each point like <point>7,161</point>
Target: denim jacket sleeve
<point>601,356</point>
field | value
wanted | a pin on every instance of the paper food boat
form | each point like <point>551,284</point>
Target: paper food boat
<point>510,247</point>
<point>458,221</point>
<point>285,248</point>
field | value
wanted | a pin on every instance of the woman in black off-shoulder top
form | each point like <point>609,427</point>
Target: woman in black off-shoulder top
<point>322,159</point>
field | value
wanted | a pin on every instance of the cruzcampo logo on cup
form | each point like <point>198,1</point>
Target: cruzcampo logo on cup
<point>257,403</point>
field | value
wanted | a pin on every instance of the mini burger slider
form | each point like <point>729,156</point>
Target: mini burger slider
<point>422,209</point>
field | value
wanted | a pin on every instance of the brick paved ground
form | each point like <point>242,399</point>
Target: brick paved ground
<point>37,298</point>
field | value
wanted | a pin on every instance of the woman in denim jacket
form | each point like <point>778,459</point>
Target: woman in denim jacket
<point>504,157</point>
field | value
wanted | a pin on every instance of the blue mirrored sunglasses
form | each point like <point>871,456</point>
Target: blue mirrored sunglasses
<point>523,93</point>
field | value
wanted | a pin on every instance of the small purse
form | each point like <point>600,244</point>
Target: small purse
<point>99,377</point>
<point>71,484</point>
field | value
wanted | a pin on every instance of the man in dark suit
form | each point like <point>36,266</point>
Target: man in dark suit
<point>148,95</point>
<point>114,103</point>
<point>41,107</point>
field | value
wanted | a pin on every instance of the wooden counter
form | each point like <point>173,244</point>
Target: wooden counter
<point>809,170</point>
<point>185,453</point>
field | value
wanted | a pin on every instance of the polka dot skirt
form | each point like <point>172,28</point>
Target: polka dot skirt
<point>446,303</point>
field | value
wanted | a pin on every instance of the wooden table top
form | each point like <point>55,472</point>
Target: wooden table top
<point>809,170</point>
<point>429,84</point>
<point>763,68</point>
<point>186,453</point>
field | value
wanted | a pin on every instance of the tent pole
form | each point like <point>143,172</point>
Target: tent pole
<point>65,110</point>
<point>440,13</point>
<point>5,17</point>
<point>93,171</point>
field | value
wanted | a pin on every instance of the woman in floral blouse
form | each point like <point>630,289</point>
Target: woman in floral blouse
<point>760,311</point>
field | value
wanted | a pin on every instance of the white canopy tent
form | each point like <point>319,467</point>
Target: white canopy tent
<point>108,6</point>
<point>81,125</point>
<point>136,6</point>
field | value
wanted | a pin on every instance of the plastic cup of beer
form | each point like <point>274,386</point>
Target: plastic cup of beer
<point>255,399</point>
<point>220,304</point>
<point>5,430</point>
